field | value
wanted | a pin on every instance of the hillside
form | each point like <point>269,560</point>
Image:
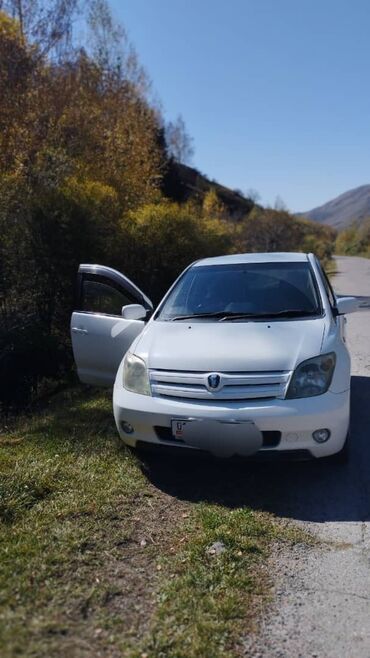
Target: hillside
<point>182,183</point>
<point>340,212</point>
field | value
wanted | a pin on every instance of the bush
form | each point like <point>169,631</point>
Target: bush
<point>29,354</point>
<point>354,240</point>
<point>269,230</point>
<point>159,240</point>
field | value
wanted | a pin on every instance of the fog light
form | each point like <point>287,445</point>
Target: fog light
<point>321,436</point>
<point>127,428</point>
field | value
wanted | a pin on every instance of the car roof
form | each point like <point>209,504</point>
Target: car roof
<point>275,257</point>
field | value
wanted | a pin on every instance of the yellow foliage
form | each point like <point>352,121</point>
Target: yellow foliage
<point>354,239</point>
<point>212,206</point>
<point>90,192</point>
<point>165,237</point>
<point>9,27</point>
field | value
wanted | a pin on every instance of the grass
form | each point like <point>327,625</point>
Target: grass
<point>206,601</point>
<point>95,560</point>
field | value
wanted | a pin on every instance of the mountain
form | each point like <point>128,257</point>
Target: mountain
<point>351,206</point>
<point>182,183</point>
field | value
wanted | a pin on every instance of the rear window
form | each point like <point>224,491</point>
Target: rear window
<point>258,289</point>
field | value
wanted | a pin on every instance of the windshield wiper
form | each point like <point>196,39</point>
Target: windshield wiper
<point>217,314</point>
<point>286,313</point>
<point>229,315</point>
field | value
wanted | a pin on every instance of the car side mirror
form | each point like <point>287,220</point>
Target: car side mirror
<point>347,305</point>
<point>134,312</point>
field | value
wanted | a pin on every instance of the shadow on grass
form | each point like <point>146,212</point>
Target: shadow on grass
<point>78,418</point>
<point>311,491</point>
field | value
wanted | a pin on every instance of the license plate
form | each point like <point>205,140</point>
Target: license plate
<point>222,438</point>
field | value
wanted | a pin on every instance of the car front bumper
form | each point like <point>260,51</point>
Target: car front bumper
<point>295,420</point>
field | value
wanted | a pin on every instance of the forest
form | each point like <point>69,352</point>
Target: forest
<point>90,171</point>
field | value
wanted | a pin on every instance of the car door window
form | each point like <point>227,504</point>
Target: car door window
<point>99,297</point>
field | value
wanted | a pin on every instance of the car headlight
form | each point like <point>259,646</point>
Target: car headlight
<point>135,375</point>
<point>312,377</point>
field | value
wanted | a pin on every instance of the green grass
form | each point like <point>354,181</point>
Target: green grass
<point>206,600</point>
<point>96,561</point>
<point>64,493</point>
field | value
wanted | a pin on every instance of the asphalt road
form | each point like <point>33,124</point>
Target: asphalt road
<point>321,603</point>
<point>321,594</point>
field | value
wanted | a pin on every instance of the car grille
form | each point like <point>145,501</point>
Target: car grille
<point>231,386</point>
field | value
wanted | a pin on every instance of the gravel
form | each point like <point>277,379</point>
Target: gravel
<point>321,592</point>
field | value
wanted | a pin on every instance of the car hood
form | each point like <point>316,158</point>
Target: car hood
<point>229,346</point>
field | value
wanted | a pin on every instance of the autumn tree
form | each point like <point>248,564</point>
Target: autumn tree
<point>179,143</point>
<point>79,148</point>
<point>46,23</point>
<point>212,206</point>
<point>270,230</point>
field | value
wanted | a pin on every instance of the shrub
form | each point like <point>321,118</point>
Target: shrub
<point>159,240</point>
<point>355,239</point>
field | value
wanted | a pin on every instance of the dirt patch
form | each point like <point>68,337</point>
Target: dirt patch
<point>110,623</point>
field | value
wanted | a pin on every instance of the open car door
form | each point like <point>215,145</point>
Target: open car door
<point>100,335</point>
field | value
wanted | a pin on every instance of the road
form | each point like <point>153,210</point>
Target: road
<point>321,596</point>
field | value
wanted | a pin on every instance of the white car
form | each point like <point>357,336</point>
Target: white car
<point>245,354</point>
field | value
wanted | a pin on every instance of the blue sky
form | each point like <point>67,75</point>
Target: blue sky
<point>275,93</point>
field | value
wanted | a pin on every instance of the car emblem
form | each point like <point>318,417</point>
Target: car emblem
<point>213,382</point>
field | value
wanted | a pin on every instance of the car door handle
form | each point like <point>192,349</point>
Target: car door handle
<point>77,330</point>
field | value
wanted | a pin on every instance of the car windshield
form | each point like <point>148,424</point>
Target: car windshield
<point>243,291</point>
